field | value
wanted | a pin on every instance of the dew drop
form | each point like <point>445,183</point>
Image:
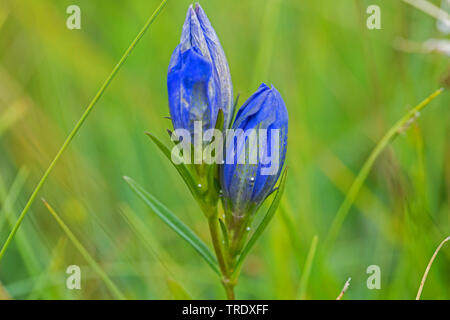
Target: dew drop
<point>252,179</point>
<point>248,228</point>
<point>199,185</point>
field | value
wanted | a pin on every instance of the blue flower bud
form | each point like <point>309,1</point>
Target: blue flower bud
<point>199,80</point>
<point>245,185</point>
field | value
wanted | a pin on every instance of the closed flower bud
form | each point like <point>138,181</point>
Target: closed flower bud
<point>199,80</point>
<point>246,185</point>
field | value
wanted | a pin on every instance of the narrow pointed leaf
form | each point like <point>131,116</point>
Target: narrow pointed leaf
<point>307,269</point>
<point>78,126</point>
<point>220,120</point>
<point>181,168</point>
<point>263,225</point>
<point>176,224</point>
<point>224,233</point>
<point>235,110</point>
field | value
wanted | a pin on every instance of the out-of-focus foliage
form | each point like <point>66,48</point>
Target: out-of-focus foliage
<point>344,86</point>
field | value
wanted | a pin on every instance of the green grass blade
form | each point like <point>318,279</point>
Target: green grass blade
<point>31,251</point>
<point>399,127</point>
<point>92,263</point>
<point>292,231</point>
<point>78,126</point>
<point>144,235</point>
<point>141,231</point>
<point>181,168</point>
<point>8,200</point>
<point>307,269</point>
<point>52,293</point>
<point>224,230</point>
<point>427,270</point>
<point>175,224</point>
<point>263,225</point>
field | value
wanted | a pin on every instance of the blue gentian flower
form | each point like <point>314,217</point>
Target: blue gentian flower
<point>199,80</point>
<point>245,186</point>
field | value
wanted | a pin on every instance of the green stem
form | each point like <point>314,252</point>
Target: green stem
<point>78,126</point>
<point>224,264</point>
<point>218,247</point>
<point>229,289</point>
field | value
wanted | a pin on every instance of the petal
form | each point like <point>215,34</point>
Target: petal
<point>188,83</point>
<point>221,70</point>
<point>251,106</point>
<point>174,88</point>
<point>265,183</point>
<point>192,35</point>
<point>239,178</point>
<point>242,186</point>
<point>196,80</point>
<point>264,110</point>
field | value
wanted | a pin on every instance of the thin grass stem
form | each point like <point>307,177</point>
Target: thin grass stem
<point>78,126</point>
<point>307,268</point>
<point>93,264</point>
<point>344,289</point>
<point>425,275</point>
<point>398,128</point>
<point>430,9</point>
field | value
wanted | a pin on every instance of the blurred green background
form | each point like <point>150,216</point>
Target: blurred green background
<point>344,87</point>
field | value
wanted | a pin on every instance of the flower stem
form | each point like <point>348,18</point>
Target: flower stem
<point>229,288</point>
<point>228,284</point>
<point>218,248</point>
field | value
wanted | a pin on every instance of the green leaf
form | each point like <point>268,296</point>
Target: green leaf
<point>220,120</point>
<point>224,233</point>
<point>307,269</point>
<point>235,110</point>
<point>78,126</point>
<point>181,168</point>
<point>263,225</point>
<point>176,224</point>
<point>144,234</point>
